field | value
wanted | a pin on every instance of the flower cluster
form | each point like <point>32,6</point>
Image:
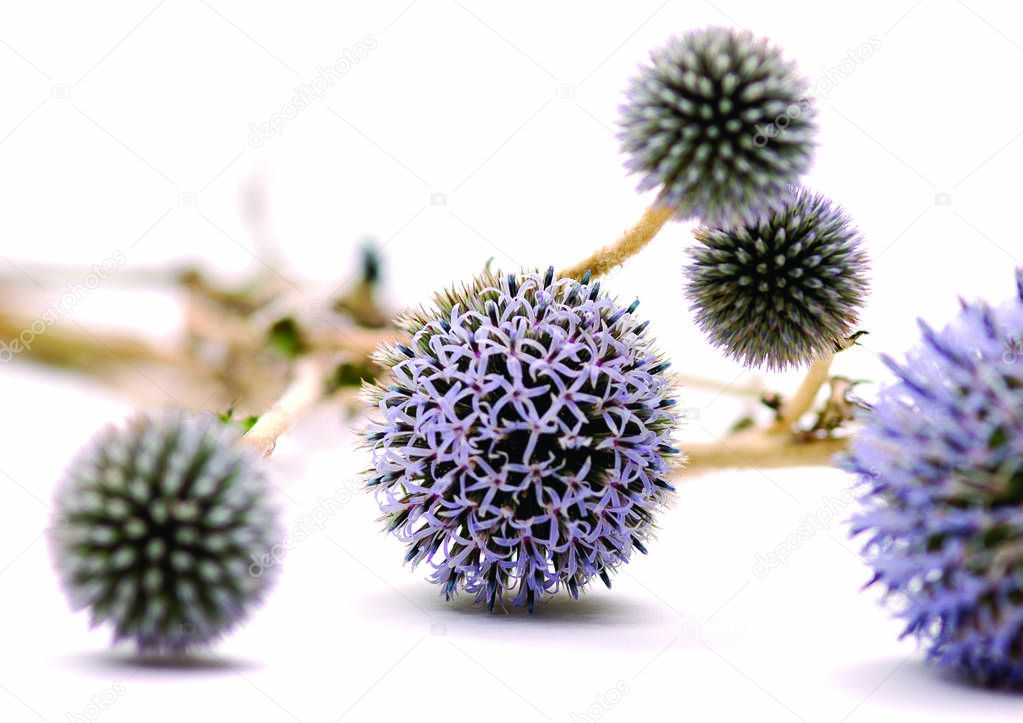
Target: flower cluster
<point>155,526</point>
<point>940,457</point>
<point>784,290</point>
<point>721,123</point>
<point>525,437</point>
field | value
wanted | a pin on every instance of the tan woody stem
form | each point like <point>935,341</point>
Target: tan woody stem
<point>777,445</point>
<point>759,448</point>
<point>308,387</point>
<point>630,244</point>
<point>803,399</point>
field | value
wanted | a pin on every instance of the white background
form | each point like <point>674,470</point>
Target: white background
<point>125,127</point>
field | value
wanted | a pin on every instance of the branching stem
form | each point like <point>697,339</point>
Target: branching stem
<point>760,448</point>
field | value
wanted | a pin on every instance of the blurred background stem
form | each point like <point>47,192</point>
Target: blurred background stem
<point>261,342</point>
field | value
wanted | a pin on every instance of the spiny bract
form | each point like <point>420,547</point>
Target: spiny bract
<point>721,123</point>
<point>525,439</point>
<point>155,527</point>
<point>783,291</point>
<point>940,461</point>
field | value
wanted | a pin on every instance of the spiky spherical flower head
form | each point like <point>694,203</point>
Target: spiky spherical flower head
<point>940,459</point>
<point>783,291</point>
<point>525,437</point>
<point>156,527</point>
<point>721,123</point>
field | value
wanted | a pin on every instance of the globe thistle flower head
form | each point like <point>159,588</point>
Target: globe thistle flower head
<point>940,462</point>
<point>156,526</point>
<point>784,290</point>
<point>721,123</point>
<point>525,437</point>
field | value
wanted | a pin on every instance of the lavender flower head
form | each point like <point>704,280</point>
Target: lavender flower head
<point>156,525</point>
<point>721,123</point>
<point>525,437</point>
<point>940,458</point>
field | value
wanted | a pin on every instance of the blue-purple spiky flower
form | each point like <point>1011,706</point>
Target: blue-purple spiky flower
<point>940,458</point>
<point>783,291</point>
<point>525,437</point>
<point>720,123</point>
<point>156,526</point>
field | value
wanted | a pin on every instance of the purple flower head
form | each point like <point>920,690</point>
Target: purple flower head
<point>940,459</point>
<point>525,437</point>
